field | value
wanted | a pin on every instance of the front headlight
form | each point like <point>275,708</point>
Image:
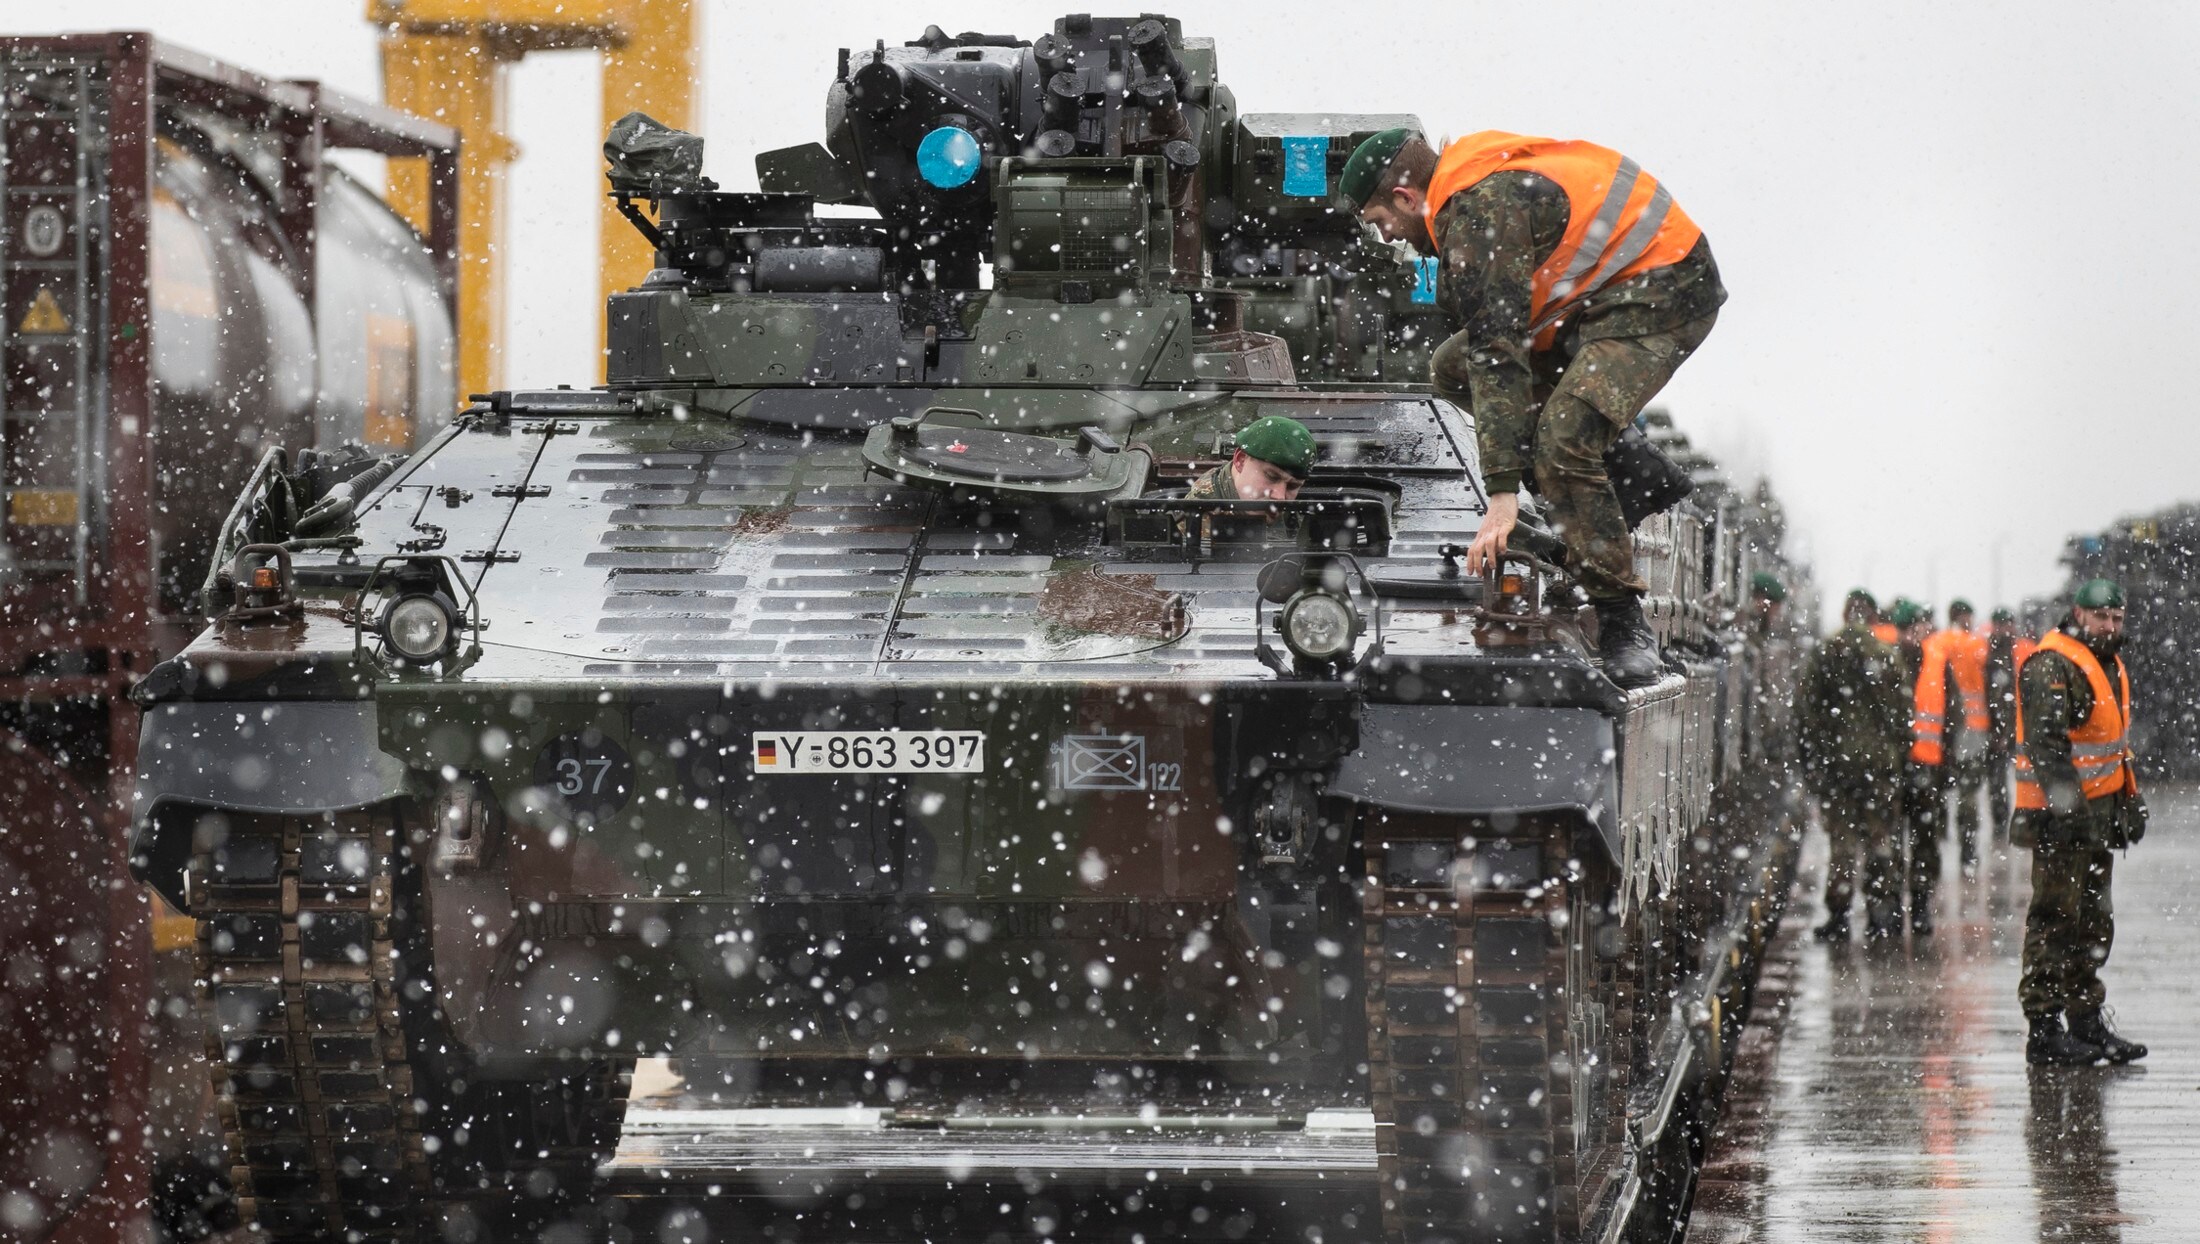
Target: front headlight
<point>418,627</point>
<point>1318,627</point>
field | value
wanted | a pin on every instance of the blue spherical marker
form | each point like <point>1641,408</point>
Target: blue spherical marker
<point>949,157</point>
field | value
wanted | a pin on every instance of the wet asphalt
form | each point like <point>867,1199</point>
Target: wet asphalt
<point>1881,1093</point>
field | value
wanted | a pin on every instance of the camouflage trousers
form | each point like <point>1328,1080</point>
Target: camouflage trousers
<point>1604,387</point>
<point>1925,808</point>
<point>1999,779</point>
<point>2068,929</point>
<point>1967,781</point>
<point>1861,827</point>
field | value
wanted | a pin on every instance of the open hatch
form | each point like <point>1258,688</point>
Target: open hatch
<point>1336,512</point>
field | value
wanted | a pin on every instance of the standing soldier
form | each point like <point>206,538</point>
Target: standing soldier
<point>1770,666</point>
<point>1952,724</point>
<point>2077,800</point>
<point>1883,628</point>
<point>1924,786</point>
<point>2006,649</point>
<point>1851,726</point>
<point>1563,265</point>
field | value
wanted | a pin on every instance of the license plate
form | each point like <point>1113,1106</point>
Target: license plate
<point>868,751</point>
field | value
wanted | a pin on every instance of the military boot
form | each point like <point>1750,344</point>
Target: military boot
<point>2092,1027</point>
<point>1835,929</point>
<point>1921,918</point>
<point>2048,1045</point>
<point>1628,646</point>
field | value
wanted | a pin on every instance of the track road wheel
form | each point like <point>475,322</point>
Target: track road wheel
<point>1479,1055</point>
<point>305,1041</point>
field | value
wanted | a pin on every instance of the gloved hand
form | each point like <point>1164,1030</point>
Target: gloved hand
<point>2135,819</point>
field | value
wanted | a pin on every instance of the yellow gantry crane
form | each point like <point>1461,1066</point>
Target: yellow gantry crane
<point>445,59</point>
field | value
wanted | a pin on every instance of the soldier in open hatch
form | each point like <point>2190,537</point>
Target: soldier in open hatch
<point>1567,268</point>
<point>1274,456</point>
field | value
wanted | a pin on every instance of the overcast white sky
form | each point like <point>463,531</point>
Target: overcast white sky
<point>1959,239</point>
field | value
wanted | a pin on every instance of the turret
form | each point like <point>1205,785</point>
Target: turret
<point>1102,166</point>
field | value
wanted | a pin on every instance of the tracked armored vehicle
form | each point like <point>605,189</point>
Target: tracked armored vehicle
<point>848,703</point>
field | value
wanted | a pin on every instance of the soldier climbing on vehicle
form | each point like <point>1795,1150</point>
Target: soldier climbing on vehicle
<point>1571,276</point>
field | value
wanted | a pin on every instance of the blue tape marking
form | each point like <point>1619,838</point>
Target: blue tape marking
<point>1424,279</point>
<point>1306,166</point>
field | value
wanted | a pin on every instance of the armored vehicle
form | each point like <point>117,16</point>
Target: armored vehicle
<point>847,702</point>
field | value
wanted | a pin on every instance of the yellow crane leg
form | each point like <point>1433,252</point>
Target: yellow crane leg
<point>458,79</point>
<point>445,59</point>
<point>654,70</point>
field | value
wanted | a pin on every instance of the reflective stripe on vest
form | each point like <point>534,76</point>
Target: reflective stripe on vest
<point>1967,662</point>
<point>1621,222</point>
<point>2099,747</point>
<point>1929,704</point>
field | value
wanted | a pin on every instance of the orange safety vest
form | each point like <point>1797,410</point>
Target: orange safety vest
<point>1622,222</point>
<point>2099,747</point>
<point>1968,661</point>
<point>1962,654</point>
<point>1886,633</point>
<point>1929,702</point>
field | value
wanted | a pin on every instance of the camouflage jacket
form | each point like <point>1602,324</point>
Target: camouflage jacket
<point>2056,697</point>
<point>1214,485</point>
<point>1492,237</point>
<point>2001,688</point>
<point>1852,724</point>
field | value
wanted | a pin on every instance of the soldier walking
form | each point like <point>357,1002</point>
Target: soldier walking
<point>1924,785</point>
<point>1852,727</point>
<point>2077,801</point>
<point>1769,666</point>
<point>1951,721</point>
<point>1563,265</point>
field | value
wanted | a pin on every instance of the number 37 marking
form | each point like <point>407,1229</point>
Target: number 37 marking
<point>574,775</point>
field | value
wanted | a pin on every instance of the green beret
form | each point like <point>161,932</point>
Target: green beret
<point>1767,586</point>
<point>1905,612</point>
<point>1859,594</point>
<point>2099,594</point>
<point>1279,441</point>
<point>1959,605</point>
<point>2004,617</point>
<point>1369,159</point>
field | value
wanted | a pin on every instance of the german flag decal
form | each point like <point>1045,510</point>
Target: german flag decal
<point>767,754</point>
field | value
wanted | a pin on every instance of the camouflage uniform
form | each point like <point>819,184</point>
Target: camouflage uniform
<point>1851,728</point>
<point>1770,665</point>
<point>2071,924</point>
<point>1924,793</point>
<point>1213,485</point>
<point>2001,718</point>
<point>1552,414</point>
